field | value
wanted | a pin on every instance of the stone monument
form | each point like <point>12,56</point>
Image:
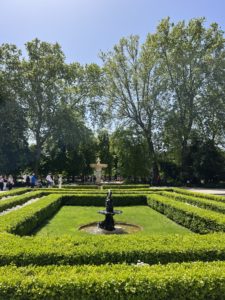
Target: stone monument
<point>98,170</point>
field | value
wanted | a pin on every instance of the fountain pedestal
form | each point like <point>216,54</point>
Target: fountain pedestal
<point>109,212</point>
<point>108,223</point>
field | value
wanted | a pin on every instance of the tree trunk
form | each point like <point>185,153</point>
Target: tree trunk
<point>37,154</point>
<point>183,161</point>
<point>37,160</point>
<point>155,168</point>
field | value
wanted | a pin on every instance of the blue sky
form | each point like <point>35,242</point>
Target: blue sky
<point>84,27</point>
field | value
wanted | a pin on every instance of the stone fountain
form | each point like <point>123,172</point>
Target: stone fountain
<point>109,212</point>
<point>108,226</point>
<point>98,167</point>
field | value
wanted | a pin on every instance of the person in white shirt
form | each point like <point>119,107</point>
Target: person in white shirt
<point>49,180</point>
<point>60,181</point>
<point>10,182</point>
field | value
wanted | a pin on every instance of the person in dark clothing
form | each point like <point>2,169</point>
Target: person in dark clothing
<point>1,183</point>
<point>28,181</point>
<point>33,180</point>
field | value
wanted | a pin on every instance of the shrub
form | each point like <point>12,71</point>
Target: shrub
<point>197,219</point>
<point>99,250</point>
<point>99,200</point>
<point>199,195</point>
<point>173,281</point>
<point>26,219</point>
<point>200,202</point>
<point>19,200</point>
<point>15,192</point>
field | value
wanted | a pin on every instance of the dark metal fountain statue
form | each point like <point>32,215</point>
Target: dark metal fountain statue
<point>109,212</point>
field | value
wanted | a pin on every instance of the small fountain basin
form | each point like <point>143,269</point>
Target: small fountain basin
<point>114,212</point>
<point>120,228</point>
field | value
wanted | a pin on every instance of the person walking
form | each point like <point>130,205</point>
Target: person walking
<point>10,182</point>
<point>33,180</point>
<point>5,183</point>
<point>27,180</point>
<point>49,180</point>
<point>60,181</point>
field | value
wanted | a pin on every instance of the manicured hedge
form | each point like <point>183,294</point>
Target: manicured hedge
<point>200,202</point>
<point>80,187</point>
<point>94,192</point>
<point>126,186</point>
<point>99,250</point>
<point>26,219</point>
<point>76,275</point>
<point>195,218</point>
<point>19,200</point>
<point>173,281</point>
<point>108,186</point>
<point>14,192</point>
<point>200,195</point>
<point>99,200</point>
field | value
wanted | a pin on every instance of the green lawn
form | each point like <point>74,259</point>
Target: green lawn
<point>70,218</point>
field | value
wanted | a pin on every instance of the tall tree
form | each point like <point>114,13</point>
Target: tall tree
<point>13,141</point>
<point>133,88</point>
<point>14,152</point>
<point>130,150</point>
<point>185,52</point>
<point>71,147</point>
<point>211,117</point>
<point>42,79</point>
<point>84,88</point>
<point>104,150</point>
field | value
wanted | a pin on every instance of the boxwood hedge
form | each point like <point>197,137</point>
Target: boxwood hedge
<point>100,250</point>
<point>200,202</point>
<point>195,218</point>
<point>93,267</point>
<point>14,192</point>
<point>173,281</point>
<point>19,200</point>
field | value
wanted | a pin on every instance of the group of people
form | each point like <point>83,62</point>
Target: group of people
<point>6,183</point>
<point>32,181</point>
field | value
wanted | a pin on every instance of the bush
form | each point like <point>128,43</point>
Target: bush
<point>72,268</point>
<point>196,219</point>
<point>19,200</point>
<point>200,202</point>
<point>26,219</point>
<point>100,250</point>
<point>99,200</point>
<point>174,281</point>
<point>107,186</point>
<point>14,192</point>
<point>199,195</point>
